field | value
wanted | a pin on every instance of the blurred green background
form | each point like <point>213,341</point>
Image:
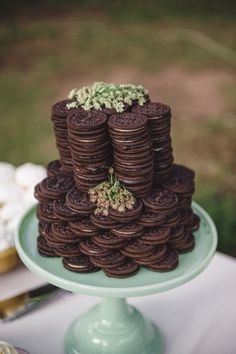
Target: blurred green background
<point>184,52</point>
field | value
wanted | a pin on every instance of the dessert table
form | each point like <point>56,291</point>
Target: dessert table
<point>197,317</point>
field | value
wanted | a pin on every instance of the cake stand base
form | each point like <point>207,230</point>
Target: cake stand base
<point>113,327</point>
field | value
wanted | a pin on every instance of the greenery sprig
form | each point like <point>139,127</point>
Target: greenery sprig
<point>102,95</point>
<point>111,195</point>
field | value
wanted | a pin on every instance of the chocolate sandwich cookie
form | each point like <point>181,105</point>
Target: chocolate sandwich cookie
<point>180,184</point>
<point>124,270</point>
<point>184,202</point>
<point>176,231</point>
<point>54,242</point>
<point>135,175</point>
<point>68,250</point>
<point>89,248</point>
<point>130,149</point>
<point>173,219</point>
<point>54,168</point>
<point>84,228</point>
<point>149,219</point>
<point>60,110</point>
<point>170,262</point>
<point>127,215</point>
<point>39,195</point>
<point>156,235</point>
<point>45,212</point>
<point>79,202</point>
<point>62,212</point>
<point>56,187</point>
<point>187,245</point>
<point>130,156</point>
<point>62,233</point>
<point>195,223</point>
<point>43,228</point>
<point>44,249</point>
<point>119,139</point>
<point>103,222</point>
<point>127,123</point>
<point>153,110</point>
<point>181,241</point>
<point>110,261</point>
<point>161,200</point>
<point>135,248</point>
<point>132,174</point>
<point>182,170</point>
<point>84,121</point>
<point>186,217</point>
<point>128,231</point>
<point>109,241</point>
<point>156,255</point>
<point>79,264</point>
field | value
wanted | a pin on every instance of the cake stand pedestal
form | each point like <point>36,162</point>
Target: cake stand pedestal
<point>113,327</point>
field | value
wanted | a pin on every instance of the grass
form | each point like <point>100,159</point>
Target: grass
<point>43,53</point>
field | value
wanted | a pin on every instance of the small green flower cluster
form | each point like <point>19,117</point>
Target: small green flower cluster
<point>111,194</point>
<point>102,95</point>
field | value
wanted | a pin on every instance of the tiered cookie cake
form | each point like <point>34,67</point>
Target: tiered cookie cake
<point>115,200</point>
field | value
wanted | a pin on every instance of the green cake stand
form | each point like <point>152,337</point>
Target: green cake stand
<point>114,327</point>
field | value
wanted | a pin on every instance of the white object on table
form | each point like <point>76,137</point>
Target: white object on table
<point>197,318</point>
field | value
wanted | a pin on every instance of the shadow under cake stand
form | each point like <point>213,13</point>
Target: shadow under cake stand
<point>114,327</point>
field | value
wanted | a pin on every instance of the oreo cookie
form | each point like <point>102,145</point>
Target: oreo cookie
<point>195,224</point>
<point>150,219</point>
<point>55,187</point>
<point>126,123</point>
<point>112,260</point>
<point>103,222</point>
<point>124,270</point>
<point>127,215</point>
<point>62,233</point>
<point>45,213</point>
<point>156,235</point>
<point>68,250</point>
<point>62,212</point>
<point>89,248</point>
<point>44,249</point>
<point>79,264</point>
<point>170,262</point>
<point>84,228</point>
<point>161,200</point>
<point>54,168</point>
<point>128,231</point>
<point>156,255</point>
<point>109,241</point>
<point>136,248</point>
<point>79,202</point>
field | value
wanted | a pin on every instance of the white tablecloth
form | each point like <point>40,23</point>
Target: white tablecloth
<point>196,318</point>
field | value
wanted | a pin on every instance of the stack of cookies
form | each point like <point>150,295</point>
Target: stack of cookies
<point>132,146</point>
<point>159,119</point>
<point>118,238</point>
<point>51,193</point>
<point>90,148</point>
<point>59,116</point>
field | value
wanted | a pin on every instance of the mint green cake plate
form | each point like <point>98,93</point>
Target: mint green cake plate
<point>113,327</point>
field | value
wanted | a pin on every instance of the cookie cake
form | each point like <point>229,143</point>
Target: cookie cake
<point>115,200</point>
